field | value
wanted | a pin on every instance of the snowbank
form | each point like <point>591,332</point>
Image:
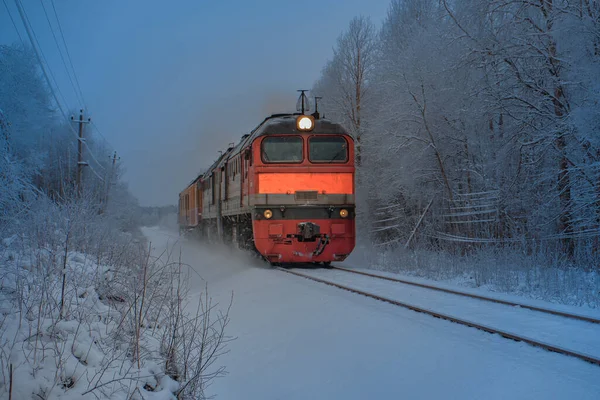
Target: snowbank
<point>86,352</point>
<point>71,328</point>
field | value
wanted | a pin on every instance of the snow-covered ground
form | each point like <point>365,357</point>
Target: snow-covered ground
<point>86,354</point>
<point>298,339</point>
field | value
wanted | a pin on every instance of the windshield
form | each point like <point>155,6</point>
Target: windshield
<point>328,149</point>
<point>282,149</point>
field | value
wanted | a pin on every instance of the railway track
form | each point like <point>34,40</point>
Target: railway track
<point>474,296</point>
<point>506,334</point>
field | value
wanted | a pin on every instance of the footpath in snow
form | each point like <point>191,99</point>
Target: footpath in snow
<point>297,339</point>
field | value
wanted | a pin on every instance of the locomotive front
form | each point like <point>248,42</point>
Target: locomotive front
<point>303,206</point>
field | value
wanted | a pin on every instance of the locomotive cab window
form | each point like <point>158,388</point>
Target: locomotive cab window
<point>327,149</point>
<point>282,149</point>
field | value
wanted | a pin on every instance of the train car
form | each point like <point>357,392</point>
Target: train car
<point>286,189</point>
<point>190,206</point>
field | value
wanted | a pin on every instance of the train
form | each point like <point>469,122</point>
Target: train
<point>286,190</point>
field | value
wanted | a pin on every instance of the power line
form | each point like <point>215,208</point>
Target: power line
<point>78,91</point>
<point>68,53</point>
<point>13,21</point>
<point>61,54</point>
<point>92,155</point>
<point>37,54</point>
<point>31,35</point>
<point>38,50</point>
<point>95,173</point>
<point>102,136</point>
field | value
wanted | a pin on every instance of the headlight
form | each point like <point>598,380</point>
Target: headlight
<point>305,123</point>
<point>268,214</point>
<point>343,213</point>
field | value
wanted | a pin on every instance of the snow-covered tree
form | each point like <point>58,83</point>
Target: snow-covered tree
<point>484,116</point>
<point>345,81</point>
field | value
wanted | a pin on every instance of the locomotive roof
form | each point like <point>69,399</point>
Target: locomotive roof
<point>285,124</point>
<point>279,124</point>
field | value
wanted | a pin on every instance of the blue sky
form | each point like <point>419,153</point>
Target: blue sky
<point>171,83</point>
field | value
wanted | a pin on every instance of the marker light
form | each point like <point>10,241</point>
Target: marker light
<point>268,214</point>
<point>305,123</point>
<point>343,213</point>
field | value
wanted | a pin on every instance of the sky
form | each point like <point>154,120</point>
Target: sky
<point>169,84</point>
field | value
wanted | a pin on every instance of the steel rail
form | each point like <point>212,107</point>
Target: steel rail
<point>506,334</point>
<point>475,296</point>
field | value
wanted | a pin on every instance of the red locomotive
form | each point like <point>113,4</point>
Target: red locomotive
<point>286,189</point>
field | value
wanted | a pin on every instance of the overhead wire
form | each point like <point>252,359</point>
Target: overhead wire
<point>92,155</point>
<point>79,98</point>
<point>95,173</point>
<point>76,86</point>
<point>32,38</point>
<point>102,136</point>
<point>38,50</point>
<point>37,54</point>
<point>13,21</point>
<point>62,35</point>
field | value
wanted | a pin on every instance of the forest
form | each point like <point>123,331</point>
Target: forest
<point>478,128</point>
<point>87,310</point>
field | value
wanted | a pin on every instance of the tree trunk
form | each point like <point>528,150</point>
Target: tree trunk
<point>564,185</point>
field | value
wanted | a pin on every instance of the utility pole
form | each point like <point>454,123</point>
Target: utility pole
<point>80,162</point>
<point>109,180</point>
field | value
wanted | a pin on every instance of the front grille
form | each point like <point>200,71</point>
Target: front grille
<point>306,195</point>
